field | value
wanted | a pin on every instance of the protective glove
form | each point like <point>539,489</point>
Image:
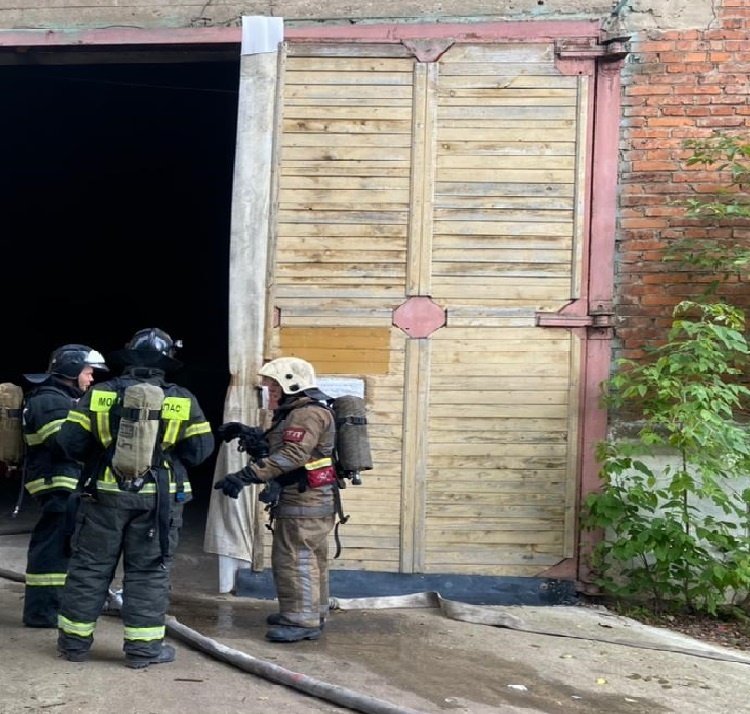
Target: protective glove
<point>232,484</point>
<point>232,430</point>
<point>252,439</point>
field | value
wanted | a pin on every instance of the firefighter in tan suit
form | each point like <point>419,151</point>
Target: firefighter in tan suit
<point>300,446</point>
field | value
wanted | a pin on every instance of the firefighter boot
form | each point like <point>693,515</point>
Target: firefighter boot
<point>73,649</point>
<point>292,633</point>
<point>74,655</point>
<point>167,654</point>
<point>276,618</point>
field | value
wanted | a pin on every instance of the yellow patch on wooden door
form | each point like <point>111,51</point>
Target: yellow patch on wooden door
<point>339,350</point>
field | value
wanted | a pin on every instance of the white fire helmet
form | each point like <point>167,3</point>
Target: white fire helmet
<point>293,374</point>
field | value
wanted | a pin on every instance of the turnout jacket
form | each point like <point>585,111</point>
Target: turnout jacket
<point>301,439</point>
<point>48,468</point>
<point>89,434</point>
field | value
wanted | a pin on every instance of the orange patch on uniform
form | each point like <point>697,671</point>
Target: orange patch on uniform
<point>294,435</point>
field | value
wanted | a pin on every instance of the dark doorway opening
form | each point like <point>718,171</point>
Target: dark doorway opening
<point>116,198</point>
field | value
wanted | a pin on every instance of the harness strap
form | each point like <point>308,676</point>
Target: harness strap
<point>162,511</point>
<point>291,477</point>
<point>178,471</point>
<point>21,492</point>
<point>271,508</point>
<point>71,511</point>
<point>274,488</point>
<point>135,414</point>
<point>342,518</point>
<point>271,494</point>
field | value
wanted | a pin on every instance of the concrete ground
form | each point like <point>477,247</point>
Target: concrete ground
<point>392,660</point>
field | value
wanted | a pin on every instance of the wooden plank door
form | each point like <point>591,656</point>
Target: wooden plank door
<point>506,243</point>
<point>458,180</point>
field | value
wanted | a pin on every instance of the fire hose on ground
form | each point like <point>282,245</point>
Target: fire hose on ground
<point>268,670</point>
<point>370,705</point>
<point>333,693</point>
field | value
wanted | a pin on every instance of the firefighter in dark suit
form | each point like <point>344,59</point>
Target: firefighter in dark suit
<point>136,519</point>
<point>301,441</point>
<point>51,476</point>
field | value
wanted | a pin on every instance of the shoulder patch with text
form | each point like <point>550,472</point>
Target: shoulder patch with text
<point>294,435</point>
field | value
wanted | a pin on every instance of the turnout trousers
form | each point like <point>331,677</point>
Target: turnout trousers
<point>299,561</point>
<point>104,533</point>
<point>47,562</point>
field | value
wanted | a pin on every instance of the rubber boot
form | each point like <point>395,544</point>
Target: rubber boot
<point>167,654</point>
<point>276,618</point>
<point>289,633</point>
<point>74,655</point>
<point>72,648</point>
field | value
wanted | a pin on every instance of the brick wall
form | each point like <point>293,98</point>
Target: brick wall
<point>677,86</point>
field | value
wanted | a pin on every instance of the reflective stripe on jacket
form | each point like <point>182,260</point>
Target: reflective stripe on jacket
<point>47,467</point>
<point>90,430</point>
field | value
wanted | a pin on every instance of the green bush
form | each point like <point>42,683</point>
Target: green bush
<point>729,156</point>
<point>663,539</point>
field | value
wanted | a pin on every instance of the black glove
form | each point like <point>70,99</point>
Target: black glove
<point>231,430</point>
<point>252,438</point>
<point>232,484</point>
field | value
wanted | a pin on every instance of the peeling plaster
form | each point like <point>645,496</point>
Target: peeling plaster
<point>671,14</point>
<point>635,15</point>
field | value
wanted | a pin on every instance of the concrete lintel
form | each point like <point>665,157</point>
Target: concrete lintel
<point>527,30</point>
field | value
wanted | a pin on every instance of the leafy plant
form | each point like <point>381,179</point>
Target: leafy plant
<point>678,532</point>
<point>729,156</point>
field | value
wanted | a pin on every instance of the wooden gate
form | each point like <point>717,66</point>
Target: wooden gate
<point>430,204</point>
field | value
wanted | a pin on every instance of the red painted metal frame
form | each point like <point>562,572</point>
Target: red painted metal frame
<point>579,49</point>
<point>598,353</point>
